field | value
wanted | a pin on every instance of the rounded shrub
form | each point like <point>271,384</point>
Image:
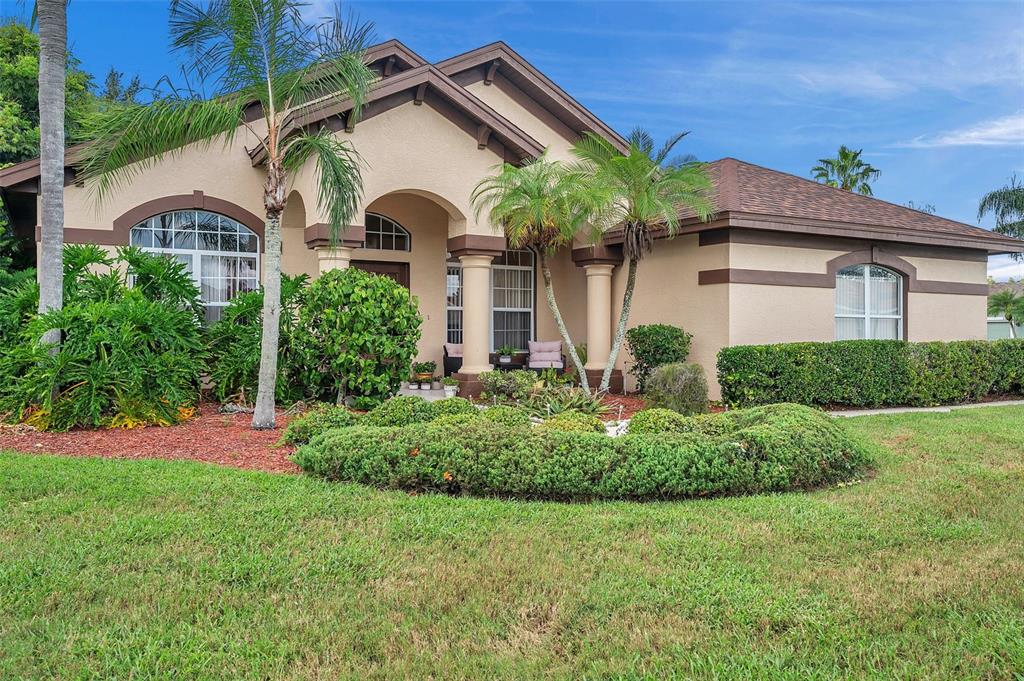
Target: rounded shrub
<point>653,345</point>
<point>400,411</point>
<point>506,415</point>
<point>356,335</point>
<point>305,427</point>
<point>679,387</point>
<point>454,420</point>
<point>573,422</point>
<point>658,420</point>
<point>451,406</point>
<point>766,450</point>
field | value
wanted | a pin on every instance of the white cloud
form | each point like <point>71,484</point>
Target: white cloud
<point>1004,131</point>
<point>1002,267</point>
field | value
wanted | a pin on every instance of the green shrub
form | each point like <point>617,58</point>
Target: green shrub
<point>574,422</point>
<point>129,356</point>
<point>356,335</point>
<point>234,347</point>
<point>508,385</point>
<point>506,415</point>
<point>653,345</point>
<point>400,411</point>
<point>452,405</point>
<point>770,449</point>
<point>305,427</point>
<point>658,420</point>
<point>552,400</point>
<point>455,420</point>
<point>679,387</point>
<point>870,373</point>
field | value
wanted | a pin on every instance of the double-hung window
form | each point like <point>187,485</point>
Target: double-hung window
<point>869,303</point>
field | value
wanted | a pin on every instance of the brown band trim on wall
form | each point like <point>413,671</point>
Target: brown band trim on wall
<point>318,235</point>
<point>873,256</point>
<point>197,200</point>
<point>476,244</point>
<point>597,255</point>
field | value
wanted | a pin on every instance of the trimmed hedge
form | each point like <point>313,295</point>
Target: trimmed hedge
<point>654,345</point>
<point>679,387</point>
<point>573,421</point>
<point>768,449</point>
<point>871,373</point>
<point>304,427</point>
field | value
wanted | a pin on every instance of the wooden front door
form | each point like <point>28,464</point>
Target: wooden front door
<point>399,271</point>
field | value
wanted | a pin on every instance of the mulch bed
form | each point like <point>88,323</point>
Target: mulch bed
<point>211,437</point>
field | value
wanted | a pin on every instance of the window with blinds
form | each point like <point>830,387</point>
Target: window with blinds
<point>869,303</point>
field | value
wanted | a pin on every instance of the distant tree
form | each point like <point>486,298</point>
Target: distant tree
<point>1007,205</point>
<point>923,207</point>
<point>1009,306</point>
<point>116,91</point>
<point>846,171</point>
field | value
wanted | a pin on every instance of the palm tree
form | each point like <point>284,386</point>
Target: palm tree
<point>259,51</point>
<point>846,171</point>
<point>52,18</point>
<point>1009,306</point>
<point>1007,204</point>
<point>641,191</point>
<point>541,205</point>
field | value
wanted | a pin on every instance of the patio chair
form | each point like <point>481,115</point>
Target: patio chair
<point>452,358</point>
<point>546,355</point>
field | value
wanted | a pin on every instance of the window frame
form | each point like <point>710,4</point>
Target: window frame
<point>196,254</point>
<point>396,230</point>
<point>452,265</point>
<point>867,316</point>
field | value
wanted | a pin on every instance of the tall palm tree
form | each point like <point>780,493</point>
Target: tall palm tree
<point>259,51</point>
<point>640,191</point>
<point>1007,204</point>
<point>1009,306</point>
<point>846,171</point>
<point>53,32</point>
<point>541,205</point>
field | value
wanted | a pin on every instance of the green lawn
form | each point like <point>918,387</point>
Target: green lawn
<point>118,569</point>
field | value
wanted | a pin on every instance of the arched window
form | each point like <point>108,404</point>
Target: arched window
<point>869,303</point>
<point>221,254</point>
<point>384,234</point>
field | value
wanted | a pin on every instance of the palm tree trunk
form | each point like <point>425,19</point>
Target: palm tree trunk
<point>549,293</point>
<point>52,65</point>
<point>620,331</point>
<point>263,417</point>
<point>1013,330</point>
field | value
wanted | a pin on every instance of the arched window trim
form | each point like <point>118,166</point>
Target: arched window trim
<point>395,231</point>
<point>221,253</point>
<point>869,314</point>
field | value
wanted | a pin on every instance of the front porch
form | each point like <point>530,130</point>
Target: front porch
<point>472,290</point>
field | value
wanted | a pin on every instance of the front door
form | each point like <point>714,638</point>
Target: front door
<point>399,271</point>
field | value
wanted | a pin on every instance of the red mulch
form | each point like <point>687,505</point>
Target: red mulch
<point>225,439</point>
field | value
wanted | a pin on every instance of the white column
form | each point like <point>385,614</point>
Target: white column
<point>337,258</point>
<point>476,313</point>
<point>599,315</point>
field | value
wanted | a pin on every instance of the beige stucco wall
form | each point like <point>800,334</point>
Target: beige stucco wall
<point>570,286</point>
<point>667,293</point>
<point>943,316</point>
<point>556,142</point>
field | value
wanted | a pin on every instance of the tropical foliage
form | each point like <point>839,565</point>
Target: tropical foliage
<point>129,356</point>
<point>1008,305</point>
<point>261,52</point>
<point>846,171</point>
<point>639,192</point>
<point>541,205</point>
<point>1006,204</point>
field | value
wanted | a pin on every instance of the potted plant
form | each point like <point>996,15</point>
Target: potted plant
<point>424,372</point>
<point>413,383</point>
<point>505,353</point>
<point>451,386</point>
<point>435,383</point>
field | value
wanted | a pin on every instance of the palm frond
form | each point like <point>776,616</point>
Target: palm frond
<point>338,180</point>
<point>128,140</point>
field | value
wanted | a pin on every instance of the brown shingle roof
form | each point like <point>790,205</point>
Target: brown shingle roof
<point>745,188</point>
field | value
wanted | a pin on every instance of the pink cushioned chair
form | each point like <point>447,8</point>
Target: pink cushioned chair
<point>546,355</point>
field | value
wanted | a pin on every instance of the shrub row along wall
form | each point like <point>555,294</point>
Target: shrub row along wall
<point>871,373</point>
<point>768,449</point>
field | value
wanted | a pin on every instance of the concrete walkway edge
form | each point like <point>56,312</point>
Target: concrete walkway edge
<point>944,409</point>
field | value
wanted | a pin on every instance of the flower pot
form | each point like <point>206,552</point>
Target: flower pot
<point>414,386</point>
<point>505,359</point>
<point>451,390</point>
<point>424,378</point>
<point>435,385</point>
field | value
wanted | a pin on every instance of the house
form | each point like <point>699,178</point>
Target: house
<point>784,259</point>
<point>998,327</point>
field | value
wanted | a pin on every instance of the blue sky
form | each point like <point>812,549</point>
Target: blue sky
<point>933,92</point>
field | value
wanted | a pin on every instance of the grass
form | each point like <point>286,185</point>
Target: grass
<point>155,569</point>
